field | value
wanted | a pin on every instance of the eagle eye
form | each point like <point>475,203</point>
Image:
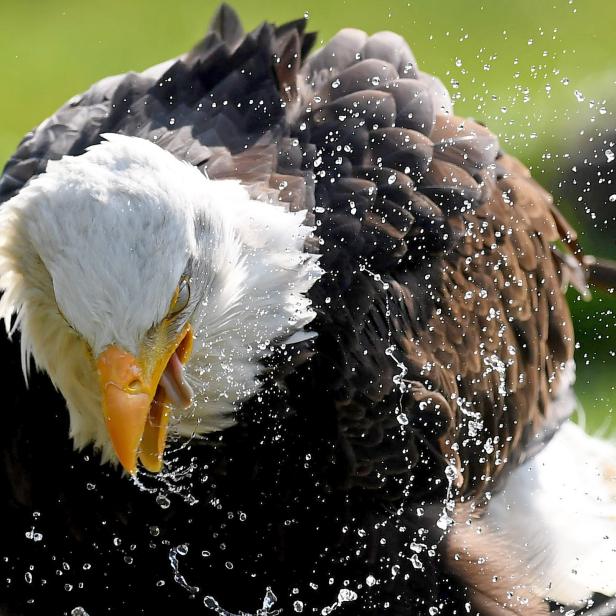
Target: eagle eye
<point>181,297</point>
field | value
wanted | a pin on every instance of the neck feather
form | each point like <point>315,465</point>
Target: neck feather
<point>258,275</point>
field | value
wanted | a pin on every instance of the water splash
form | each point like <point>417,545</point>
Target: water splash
<point>451,472</point>
<point>178,578</point>
<point>175,480</point>
<point>266,609</point>
<point>344,596</point>
<point>211,604</point>
<point>493,363</point>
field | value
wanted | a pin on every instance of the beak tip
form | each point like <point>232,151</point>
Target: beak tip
<point>152,464</point>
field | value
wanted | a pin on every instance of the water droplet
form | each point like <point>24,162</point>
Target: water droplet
<point>298,606</point>
<point>78,611</point>
<point>579,96</point>
<point>375,81</point>
<point>391,179</point>
<point>402,418</point>
<point>444,521</point>
<point>211,603</point>
<point>416,562</point>
<point>408,67</point>
<point>269,600</point>
<point>346,594</point>
<point>336,83</point>
<point>34,536</point>
<point>610,156</point>
<point>162,501</point>
<point>451,472</point>
<point>370,580</point>
<point>182,549</point>
<point>613,198</point>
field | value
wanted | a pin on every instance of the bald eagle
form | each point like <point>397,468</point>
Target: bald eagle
<point>286,335</point>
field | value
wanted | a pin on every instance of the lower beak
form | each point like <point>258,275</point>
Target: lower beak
<point>137,397</point>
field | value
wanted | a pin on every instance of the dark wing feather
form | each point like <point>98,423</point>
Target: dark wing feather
<point>454,237</point>
<point>218,99</point>
<point>70,129</point>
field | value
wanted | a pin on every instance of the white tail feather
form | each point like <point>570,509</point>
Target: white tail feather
<point>558,515</point>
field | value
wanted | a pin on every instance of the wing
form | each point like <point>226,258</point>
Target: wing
<point>440,256</point>
<point>217,100</point>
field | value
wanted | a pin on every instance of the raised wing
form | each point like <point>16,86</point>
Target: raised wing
<point>219,99</point>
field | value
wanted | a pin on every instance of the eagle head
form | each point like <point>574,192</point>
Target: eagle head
<point>149,293</point>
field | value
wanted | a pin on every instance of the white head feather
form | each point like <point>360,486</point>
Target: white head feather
<point>92,251</point>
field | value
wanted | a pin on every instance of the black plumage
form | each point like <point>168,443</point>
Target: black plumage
<point>437,254</point>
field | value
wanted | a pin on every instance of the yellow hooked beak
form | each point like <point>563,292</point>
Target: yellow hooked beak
<point>136,405</point>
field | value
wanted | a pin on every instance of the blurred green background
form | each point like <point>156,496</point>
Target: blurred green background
<point>540,73</point>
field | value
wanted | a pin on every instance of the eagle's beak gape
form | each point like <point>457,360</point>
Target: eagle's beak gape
<point>137,396</point>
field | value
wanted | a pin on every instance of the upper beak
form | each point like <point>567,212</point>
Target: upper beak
<point>137,394</point>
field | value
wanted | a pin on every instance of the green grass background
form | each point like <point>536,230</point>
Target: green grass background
<point>515,65</point>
